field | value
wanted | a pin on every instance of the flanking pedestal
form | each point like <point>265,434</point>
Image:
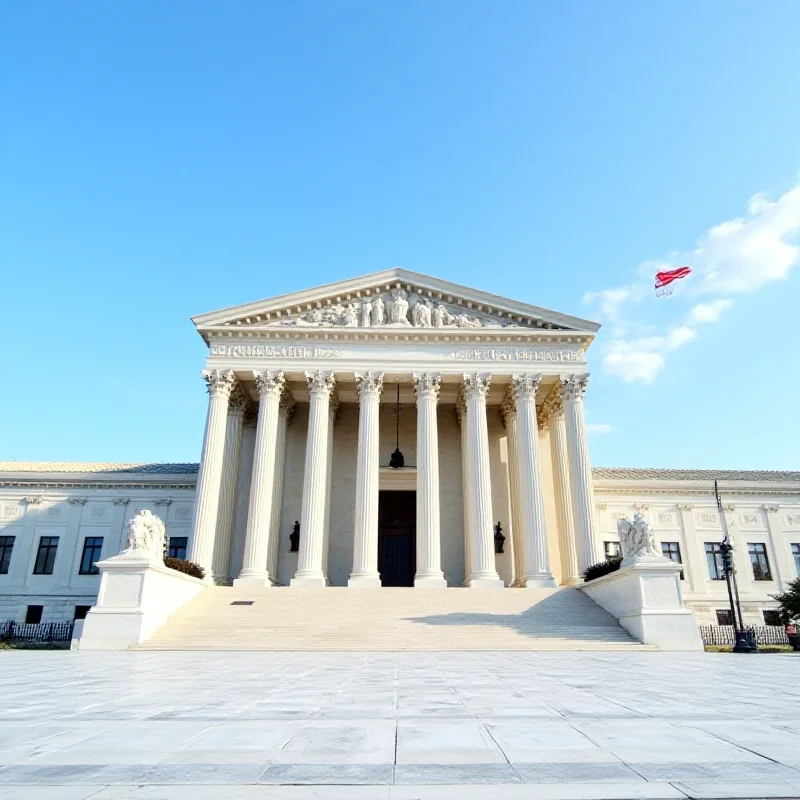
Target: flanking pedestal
<point>137,596</point>
<point>645,597</point>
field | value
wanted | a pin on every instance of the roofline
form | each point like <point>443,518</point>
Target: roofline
<point>399,273</point>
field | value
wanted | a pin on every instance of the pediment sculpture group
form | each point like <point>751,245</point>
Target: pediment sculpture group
<point>394,309</point>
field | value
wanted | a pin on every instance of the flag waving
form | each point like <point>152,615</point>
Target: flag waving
<point>664,279</point>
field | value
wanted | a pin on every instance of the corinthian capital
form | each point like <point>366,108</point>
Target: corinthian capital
<point>573,387</point>
<point>320,383</point>
<point>476,385</point>
<point>427,384</point>
<point>269,383</point>
<point>369,383</point>
<point>239,399</point>
<point>220,382</point>
<point>525,385</point>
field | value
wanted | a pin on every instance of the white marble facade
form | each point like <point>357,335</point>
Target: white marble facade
<point>301,425</point>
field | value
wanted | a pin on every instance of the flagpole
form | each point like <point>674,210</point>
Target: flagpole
<point>744,640</point>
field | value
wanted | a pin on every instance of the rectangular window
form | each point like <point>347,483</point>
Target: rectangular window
<point>92,546</point>
<point>177,546</point>
<point>46,555</point>
<point>771,617</point>
<point>796,556</point>
<point>714,558</point>
<point>612,549</point>
<point>81,612</point>
<point>759,560</point>
<point>6,546</point>
<point>672,551</point>
<point>724,617</point>
<point>33,616</point>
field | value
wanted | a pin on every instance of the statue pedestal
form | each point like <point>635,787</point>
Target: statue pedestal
<point>137,596</point>
<point>645,596</point>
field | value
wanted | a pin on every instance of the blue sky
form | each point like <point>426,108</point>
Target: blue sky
<point>159,160</point>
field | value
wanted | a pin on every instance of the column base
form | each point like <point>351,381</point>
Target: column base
<point>364,582</point>
<point>252,581</point>
<point>308,580</point>
<point>430,581</point>
<point>484,583</point>
<point>539,581</point>
<point>572,582</point>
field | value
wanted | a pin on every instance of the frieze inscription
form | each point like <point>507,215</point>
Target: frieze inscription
<point>515,354</point>
<point>274,351</point>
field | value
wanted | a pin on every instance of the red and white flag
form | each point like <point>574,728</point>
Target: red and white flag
<point>664,279</point>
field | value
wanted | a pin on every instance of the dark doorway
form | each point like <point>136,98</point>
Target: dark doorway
<point>397,522</point>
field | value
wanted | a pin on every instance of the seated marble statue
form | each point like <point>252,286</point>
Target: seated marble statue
<point>637,540</point>
<point>146,535</point>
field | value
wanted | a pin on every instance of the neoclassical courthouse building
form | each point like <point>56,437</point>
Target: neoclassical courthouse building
<point>395,430</point>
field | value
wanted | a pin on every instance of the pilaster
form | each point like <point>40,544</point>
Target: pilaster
<point>784,561</point>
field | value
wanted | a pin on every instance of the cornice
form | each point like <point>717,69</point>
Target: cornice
<point>433,335</point>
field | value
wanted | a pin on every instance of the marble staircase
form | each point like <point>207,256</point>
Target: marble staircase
<point>391,619</point>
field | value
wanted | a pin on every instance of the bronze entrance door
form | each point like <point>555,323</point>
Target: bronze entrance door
<point>397,521</point>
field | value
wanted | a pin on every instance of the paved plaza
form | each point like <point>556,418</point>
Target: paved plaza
<point>410,726</point>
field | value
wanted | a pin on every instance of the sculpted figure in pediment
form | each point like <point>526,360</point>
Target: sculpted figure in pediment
<point>378,311</point>
<point>397,308</point>
<point>349,317</point>
<point>366,313</point>
<point>421,314</point>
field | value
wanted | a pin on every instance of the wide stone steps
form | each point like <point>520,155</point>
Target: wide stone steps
<point>391,619</point>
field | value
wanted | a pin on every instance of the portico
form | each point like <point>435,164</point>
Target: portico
<point>310,393</point>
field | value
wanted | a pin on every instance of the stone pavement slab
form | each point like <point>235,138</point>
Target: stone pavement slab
<point>397,726</point>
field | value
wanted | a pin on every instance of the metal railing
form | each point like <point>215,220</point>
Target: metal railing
<point>38,632</point>
<point>724,634</point>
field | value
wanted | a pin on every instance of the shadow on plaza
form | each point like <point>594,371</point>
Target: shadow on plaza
<point>566,614</point>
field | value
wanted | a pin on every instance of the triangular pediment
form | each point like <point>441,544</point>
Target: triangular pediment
<point>394,298</point>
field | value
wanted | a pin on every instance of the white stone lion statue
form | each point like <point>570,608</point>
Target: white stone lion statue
<point>146,535</point>
<point>637,540</point>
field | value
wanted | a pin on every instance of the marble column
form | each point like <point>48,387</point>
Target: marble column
<point>531,498</point>
<point>429,546</point>
<point>365,540</point>
<point>483,572</point>
<point>209,479</point>
<point>254,572</point>
<point>333,413</point>
<point>561,484</point>
<point>221,561</point>
<point>315,479</point>
<point>573,388</point>
<point>285,411</point>
<point>510,420</point>
<point>461,416</point>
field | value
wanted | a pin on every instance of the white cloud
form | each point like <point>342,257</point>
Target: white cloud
<point>735,257</point>
<point>708,312</point>
<point>599,427</point>
<point>642,359</point>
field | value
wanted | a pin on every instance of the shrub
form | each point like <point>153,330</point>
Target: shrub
<point>182,565</point>
<point>790,603</point>
<point>603,568</point>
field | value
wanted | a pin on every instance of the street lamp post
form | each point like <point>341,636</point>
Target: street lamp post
<point>744,640</point>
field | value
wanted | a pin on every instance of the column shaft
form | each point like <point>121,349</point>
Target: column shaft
<point>312,522</point>
<point>285,414</point>
<point>531,499</point>
<point>469,528</point>
<point>483,571</point>
<point>206,508</point>
<point>262,489</point>
<point>510,419</point>
<point>573,388</point>
<point>561,481</point>
<point>221,562</point>
<point>365,540</point>
<point>429,548</point>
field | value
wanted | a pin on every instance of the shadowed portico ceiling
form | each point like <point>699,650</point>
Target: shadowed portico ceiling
<point>392,300</point>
